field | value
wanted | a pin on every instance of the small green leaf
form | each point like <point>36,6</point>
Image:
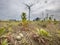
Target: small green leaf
<point>2,30</point>
<point>43,32</point>
<point>4,42</point>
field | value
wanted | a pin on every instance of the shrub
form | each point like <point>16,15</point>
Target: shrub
<point>24,19</point>
<point>55,22</point>
<point>50,18</point>
<point>37,19</point>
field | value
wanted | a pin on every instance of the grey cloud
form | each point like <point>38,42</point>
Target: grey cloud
<point>12,9</point>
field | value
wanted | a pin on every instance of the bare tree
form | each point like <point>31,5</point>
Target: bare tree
<point>29,8</point>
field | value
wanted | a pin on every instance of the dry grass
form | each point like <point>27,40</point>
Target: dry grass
<point>29,32</point>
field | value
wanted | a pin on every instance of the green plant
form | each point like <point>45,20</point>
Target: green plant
<point>23,17</point>
<point>4,42</point>
<point>2,31</point>
<point>43,32</point>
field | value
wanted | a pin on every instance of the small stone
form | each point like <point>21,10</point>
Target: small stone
<point>21,34</point>
<point>18,37</point>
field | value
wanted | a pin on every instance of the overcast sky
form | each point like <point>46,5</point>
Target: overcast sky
<point>12,9</point>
